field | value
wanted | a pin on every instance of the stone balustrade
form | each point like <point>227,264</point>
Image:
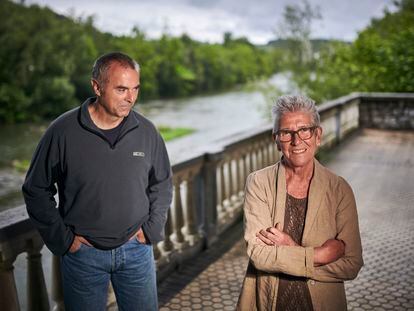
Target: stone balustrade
<point>207,198</point>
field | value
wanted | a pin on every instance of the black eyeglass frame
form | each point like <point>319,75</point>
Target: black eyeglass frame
<point>293,133</point>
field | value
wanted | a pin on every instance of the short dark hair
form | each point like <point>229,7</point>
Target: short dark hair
<point>104,62</point>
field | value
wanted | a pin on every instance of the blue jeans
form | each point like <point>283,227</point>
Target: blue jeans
<point>130,267</point>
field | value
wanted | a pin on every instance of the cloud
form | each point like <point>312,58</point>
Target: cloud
<point>207,20</point>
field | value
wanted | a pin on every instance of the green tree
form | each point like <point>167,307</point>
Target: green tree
<point>380,59</point>
<point>46,61</point>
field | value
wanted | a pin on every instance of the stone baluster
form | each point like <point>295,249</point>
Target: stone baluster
<point>256,158</point>
<point>178,216</point>
<point>259,152</point>
<point>223,198</point>
<point>273,153</point>
<point>246,160</point>
<point>167,244</point>
<point>8,293</point>
<point>57,288</point>
<point>191,227</point>
<point>37,297</point>
<point>157,253</point>
<point>209,186</point>
<point>245,170</point>
<point>230,170</point>
<point>259,157</point>
<point>265,153</point>
<point>236,192</point>
<point>224,185</point>
<point>252,159</point>
<point>240,176</point>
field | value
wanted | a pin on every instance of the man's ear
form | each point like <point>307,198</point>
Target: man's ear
<point>276,142</point>
<point>96,88</point>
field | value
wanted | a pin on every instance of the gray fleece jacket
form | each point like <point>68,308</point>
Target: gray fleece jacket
<point>106,192</point>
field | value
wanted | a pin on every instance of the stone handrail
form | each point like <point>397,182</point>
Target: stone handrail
<point>208,194</point>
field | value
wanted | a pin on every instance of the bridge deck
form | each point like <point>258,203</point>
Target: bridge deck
<point>379,165</point>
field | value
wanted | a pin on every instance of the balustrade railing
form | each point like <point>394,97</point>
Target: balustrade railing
<point>207,199</point>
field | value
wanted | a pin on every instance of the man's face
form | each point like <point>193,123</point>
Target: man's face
<point>119,92</point>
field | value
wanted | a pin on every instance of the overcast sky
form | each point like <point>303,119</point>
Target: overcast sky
<point>207,20</point>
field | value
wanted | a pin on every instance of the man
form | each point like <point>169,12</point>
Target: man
<point>114,182</point>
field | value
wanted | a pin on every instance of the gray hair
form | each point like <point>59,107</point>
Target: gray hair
<point>104,62</point>
<point>293,103</point>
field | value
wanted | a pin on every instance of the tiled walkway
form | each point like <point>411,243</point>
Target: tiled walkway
<point>379,165</point>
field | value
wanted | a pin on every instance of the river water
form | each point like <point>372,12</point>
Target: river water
<point>213,117</point>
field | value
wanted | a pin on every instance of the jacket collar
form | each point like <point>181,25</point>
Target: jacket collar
<point>85,119</point>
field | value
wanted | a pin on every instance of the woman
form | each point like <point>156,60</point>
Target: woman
<point>301,223</point>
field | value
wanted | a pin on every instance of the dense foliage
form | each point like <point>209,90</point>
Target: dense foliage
<point>46,59</point>
<point>381,59</point>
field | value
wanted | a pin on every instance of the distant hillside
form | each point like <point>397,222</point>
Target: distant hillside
<point>317,44</point>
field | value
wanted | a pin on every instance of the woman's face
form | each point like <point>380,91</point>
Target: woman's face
<point>298,152</point>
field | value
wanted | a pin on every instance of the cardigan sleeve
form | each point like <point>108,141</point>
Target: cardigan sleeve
<point>348,266</point>
<point>292,260</point>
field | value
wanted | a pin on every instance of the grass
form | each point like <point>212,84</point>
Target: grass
<point>21,165</point>
<point>169,133</point>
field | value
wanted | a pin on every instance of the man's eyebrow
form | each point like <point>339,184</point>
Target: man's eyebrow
<point>125,87</point>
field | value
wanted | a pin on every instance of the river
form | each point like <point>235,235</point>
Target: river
<point>213,117</point>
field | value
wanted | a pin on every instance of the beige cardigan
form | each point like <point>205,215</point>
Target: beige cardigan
<point>331,214</point>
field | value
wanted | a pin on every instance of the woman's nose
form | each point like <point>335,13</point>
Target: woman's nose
<point>295,139</point>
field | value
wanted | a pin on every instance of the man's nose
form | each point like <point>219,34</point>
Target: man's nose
<point>130,96</point>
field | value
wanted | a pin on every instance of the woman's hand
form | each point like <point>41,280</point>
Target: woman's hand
<point>330,251</point>
<point>274,236</point>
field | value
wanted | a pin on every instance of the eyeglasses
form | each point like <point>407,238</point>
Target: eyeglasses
<point>303,133</point>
